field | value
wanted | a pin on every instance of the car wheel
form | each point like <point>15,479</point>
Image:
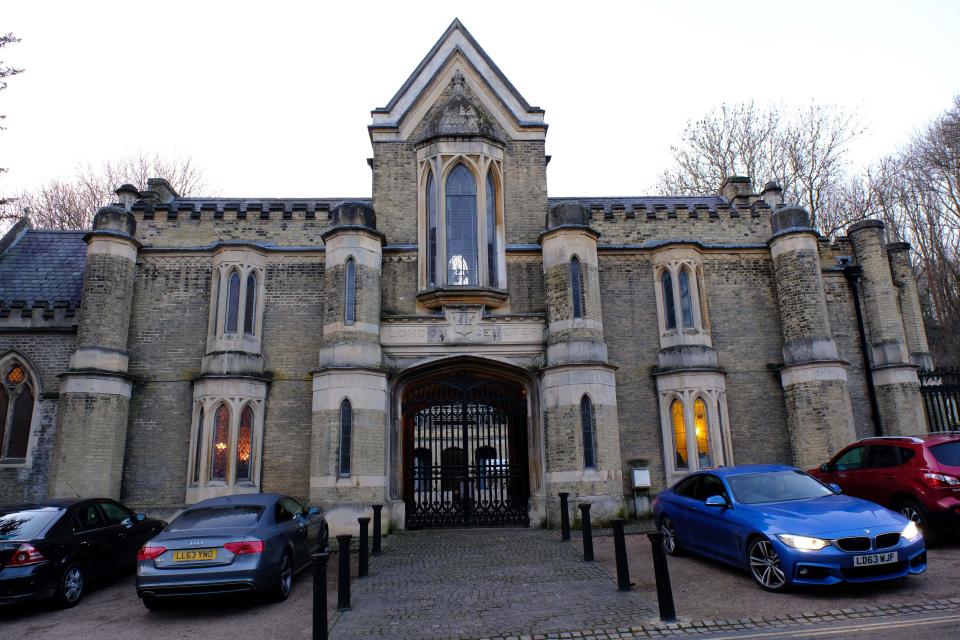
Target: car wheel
<point>73,581</point>
<point>913,510</point>
<point>284,585</point>
<point>671,543</point>
<point>765,565</point>
<point>155,604</point>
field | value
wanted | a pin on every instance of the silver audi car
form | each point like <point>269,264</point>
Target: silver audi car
<point>251,543</point>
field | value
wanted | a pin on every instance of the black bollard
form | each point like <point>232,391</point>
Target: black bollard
<point>664,592</point>
<point>364,556</point>
<point>587,532</point>
<point>564,516</point>
<point>377,508</point>
<point>320,595</point>
<point>343,575</point>
<point>620,549</point>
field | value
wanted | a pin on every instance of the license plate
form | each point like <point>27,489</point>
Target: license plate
<point>195,555</point>
<point>875,558</point>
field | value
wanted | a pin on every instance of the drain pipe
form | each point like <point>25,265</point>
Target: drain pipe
<point>853,274</point>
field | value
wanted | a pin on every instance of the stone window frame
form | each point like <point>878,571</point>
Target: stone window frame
<point>718,431</point>
<point>245,262</point>
<point>342,428</point>
<point>205,409</point>
<point>593,465</point>
<point>33,382</point>
<point>482,159</point>
<point>673,261</point>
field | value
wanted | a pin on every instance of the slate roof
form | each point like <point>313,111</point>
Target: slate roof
<point>43,265</point>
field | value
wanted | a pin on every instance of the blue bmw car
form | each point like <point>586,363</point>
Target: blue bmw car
<point>787,528</point>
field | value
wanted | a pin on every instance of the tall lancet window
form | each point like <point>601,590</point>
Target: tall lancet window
<point>431,231</point>
<point>233,302</point>
<point>245,445</point>
<point>350,292</point>
<point>589,433</point>
<point>492,279</point>
<point>461,212</point>
<point>669,308</point>
<point>346,438</point>
<point>576,286</point>
<point>686,303</point>
<point>220,444</point>
<point>250,306</point>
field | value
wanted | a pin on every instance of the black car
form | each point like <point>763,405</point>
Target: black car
<point>250,543</point>
<point>56,548</point>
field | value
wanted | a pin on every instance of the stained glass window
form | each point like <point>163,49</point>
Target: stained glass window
<point>576,287</point>
<point>233,302</point>
<point>16,412</point>
<point>431,231</point>
<point>461,214</point>
<point>346,437</point>
<point>589,435</point>
<point>220,443</point>
<point>250,306</point>
<point>491,233</point>
<point>198,448</point>
<point>669,309</point>
<point>245,445</point>
<point>350,293</point>
<point>16,375</point>
<point>679,434</point>
<point>700,427</point>
<point>686,305</point>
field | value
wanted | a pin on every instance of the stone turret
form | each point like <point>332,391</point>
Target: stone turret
<point>349,482</point>
<point>906,283</point>
<point>577,368</point>
<point>95,391</point>
<point>894,375</point>
<point>814,379</point>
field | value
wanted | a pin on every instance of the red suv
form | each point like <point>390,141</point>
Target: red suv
<point>919,476</point>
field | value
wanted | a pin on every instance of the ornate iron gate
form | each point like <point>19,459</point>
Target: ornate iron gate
<point>465,453</point>
<point>941,398</point>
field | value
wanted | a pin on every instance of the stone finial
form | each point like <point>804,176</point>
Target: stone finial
<point>736,187</point>
<point>772,194</point>
<point>790,218</point>
<point>127,194</point>
<point>116,219</point>
<point>568,213</point>
<point>354,214</point>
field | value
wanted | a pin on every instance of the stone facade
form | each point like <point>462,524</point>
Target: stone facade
<point>214,346</point>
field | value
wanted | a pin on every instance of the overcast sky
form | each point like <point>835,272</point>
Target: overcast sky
<point>273,98</point>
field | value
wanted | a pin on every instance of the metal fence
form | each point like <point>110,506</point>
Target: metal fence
<point>940,389</point>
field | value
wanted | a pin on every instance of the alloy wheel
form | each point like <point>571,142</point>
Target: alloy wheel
<point>286,576</point>
<point>765,565</point>
<point>912,514</point>
<point>73,584</point>
<point>669,536</point>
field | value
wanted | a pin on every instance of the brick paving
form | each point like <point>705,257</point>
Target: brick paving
<point>477,583</point>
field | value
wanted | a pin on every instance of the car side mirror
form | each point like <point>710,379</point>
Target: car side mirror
<point>825,467</point>
<point>716,501</point>
<point>141,517</point>
<point>837,488</point>
<point>312,511</point>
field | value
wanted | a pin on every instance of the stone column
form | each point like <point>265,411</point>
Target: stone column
<point>814,379</point>
<point>894,375</point>
<point>95,391</point>
<point>577,366</point>
<point>906,282</point>
<point>350,369</point>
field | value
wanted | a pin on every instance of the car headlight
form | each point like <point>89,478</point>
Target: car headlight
<point>802,542</point>
<point>911,531</point>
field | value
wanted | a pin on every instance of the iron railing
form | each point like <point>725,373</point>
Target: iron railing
<point>940,389</point>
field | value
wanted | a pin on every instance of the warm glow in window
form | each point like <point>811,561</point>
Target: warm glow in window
<point>221,442</point>
<point>245,444</point>
<point>16,375</point>
<point>16,413</point>
<point>700,425</point>
<point>679,434</point>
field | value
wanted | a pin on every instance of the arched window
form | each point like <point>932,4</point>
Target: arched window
<point>461,212</point>
<point>679,434</point>
<point>245,445</point>
<point>220,444</point>
<point>576,286</point>
<point>350,292</point>
<point>431,231</point>
<point>16,412</point>
<point>198,448</point>
<point>669,309</point>
<point>233,302</point>
<point>250,306</point>
<point>700,428</point>
<point>422,469</point>
<point>346,438</point>
<point>589,435</point>
<point>686,305</point>
<point>491,232</point>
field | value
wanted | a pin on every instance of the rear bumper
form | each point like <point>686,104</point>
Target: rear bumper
<point>27,583</point>
<point>162,583</point>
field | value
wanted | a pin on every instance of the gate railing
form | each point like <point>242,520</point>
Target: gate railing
<point>940,389</point>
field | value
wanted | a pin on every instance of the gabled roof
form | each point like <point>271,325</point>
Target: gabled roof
<point>43,265</point>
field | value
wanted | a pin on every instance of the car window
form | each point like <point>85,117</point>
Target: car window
<point>288,509</point>
<point>851,460</point>
<point>906,454</point>
<point>226,516</point>
<point>686,487</point>
<point>947,453</point>
<point>26,524</point>
<point>293,507</point>
<point>710,486</point>
<point>88,517</point>
<point>115,513</point>
<point>882,456</point>
<point>776,486</point>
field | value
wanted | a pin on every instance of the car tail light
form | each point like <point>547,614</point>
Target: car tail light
<point>940,480</point>
<point>26,554</point>
<point>240,548</point>
<point>150,552</point>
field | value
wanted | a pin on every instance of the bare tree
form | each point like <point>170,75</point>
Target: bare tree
<point>72,204</point>
<point>6,72</point>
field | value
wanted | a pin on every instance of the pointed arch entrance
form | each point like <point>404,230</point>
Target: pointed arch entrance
<point>465,451</point>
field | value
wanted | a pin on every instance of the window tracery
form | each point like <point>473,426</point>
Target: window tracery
<point>17,399</point>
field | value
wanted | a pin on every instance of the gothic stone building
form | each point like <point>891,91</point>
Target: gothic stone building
<point>460,347</point>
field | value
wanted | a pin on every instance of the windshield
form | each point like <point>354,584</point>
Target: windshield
<point>776,486</point>
<point>25,525</point>
<point>227,516</point>
<point>947,454</point>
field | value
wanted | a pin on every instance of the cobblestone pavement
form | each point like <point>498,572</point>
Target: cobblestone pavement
<point>479,583</point>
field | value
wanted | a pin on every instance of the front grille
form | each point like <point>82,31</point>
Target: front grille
<point>887,540</point>
<point>875,571</point>
<point>859,543</point>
